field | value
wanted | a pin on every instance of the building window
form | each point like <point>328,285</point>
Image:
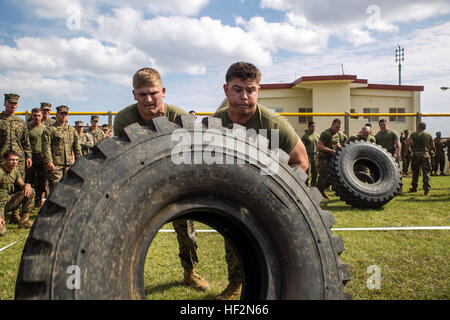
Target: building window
<point>353,111</point>
<point>276,110</point>
<point>371,110</point>
<point>304,119</point>
<point>397,118</point>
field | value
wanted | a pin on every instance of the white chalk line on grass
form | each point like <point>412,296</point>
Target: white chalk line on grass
<point>11,244</point>
<point>332,229</point>
<point>350,229</point>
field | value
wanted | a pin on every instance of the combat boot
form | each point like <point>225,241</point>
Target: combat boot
<point>232,291</point>
<point>15,217</point>
<point>412,189</point>
<point>195,281</point>
<point>426,193</point>
<point>25,222</point>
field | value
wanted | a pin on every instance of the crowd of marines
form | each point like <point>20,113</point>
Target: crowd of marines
<point>45,149</point>
<point>37,154</point>
<point>418,151</point>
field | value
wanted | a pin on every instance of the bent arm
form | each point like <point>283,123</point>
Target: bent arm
<point>299,156</point>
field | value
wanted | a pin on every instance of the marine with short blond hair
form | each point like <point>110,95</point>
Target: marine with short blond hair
<point>149,94</point>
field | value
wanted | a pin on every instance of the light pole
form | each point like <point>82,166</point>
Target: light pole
<point>399,57</point>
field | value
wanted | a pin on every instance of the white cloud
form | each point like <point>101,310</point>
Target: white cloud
<point>33,85</point>
<point>59,8</point>
<point>181,44</point>
<point>77,56</point>
<point>178,7</point>
<point>326,12</point>
<point>52,9</point>
<point>274,35</point>
<point>356,20</point>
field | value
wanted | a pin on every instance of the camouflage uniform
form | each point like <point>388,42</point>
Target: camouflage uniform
<point>310,141</point>
<point>14,136</point>
<point>187,242</point>
<point>387,139</point>
<point>36,173</point>
<point>406,155</point>
<point>447,144</point>
<point>49,122</point>
<point>97,135</point>
<point>10,199</point>
<point>439,160</point>
<point>421,142</point>
<point>58,143</point>
<point>332,141</point>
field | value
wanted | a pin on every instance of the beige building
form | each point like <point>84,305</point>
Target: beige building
<point>338,94</point>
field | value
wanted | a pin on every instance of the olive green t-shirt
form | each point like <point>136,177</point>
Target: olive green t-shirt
<point>7,180</point>
<point>358,137</point>
<point>310,141</point>
<point>266,119</point>
<point>331,140</point>
<point>35,133</point>
<point>130,115</point>
<point>387,139</point>
<point>421,141</point>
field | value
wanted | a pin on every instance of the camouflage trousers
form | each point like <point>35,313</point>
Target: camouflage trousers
<point>405,163</point>
<point>36,174</point>
<point>21,167</point>
<point>187,242</point>
<point>312,170</point>
<point>16,201</point>
<point>234,267</point>
<point>53,177</point>
<point>421,161</point>
<point>323,181</point>
<point>439,162</point>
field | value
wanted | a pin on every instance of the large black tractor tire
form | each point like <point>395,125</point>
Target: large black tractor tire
<point>358,188</point>
<point>105,212</point>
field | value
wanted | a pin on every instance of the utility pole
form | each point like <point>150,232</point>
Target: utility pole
<point>399,57</point>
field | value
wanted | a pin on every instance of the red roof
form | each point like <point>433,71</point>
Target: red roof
<point>341,77</point>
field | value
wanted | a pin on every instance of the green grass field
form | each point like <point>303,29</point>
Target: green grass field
<point>413,264</point>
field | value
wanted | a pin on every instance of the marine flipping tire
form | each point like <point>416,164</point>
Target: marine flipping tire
<point>103,215</point>
<point>358,188</point>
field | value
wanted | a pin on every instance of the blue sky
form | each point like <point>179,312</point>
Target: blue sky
<point>83,53</point>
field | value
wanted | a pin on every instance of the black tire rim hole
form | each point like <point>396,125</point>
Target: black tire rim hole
<point>366,171</point>
<point>245,248</point>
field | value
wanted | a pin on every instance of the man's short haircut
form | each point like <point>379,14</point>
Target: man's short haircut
<point>9,153</point>
<point>36,110</point>
<point>311,123</point>
<point>382,120</point>
<point>422,126</point>
<point>336,121</point>
<point>244,71</point>
<point>146,76</point>
<point>368,124</point>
